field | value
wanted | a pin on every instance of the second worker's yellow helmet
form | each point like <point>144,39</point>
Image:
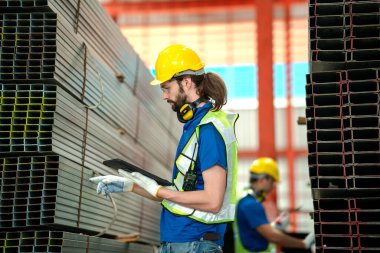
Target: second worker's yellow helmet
<point>176,60</point>
<point>265,165</point>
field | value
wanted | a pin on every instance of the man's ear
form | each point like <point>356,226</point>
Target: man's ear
<point>187,82</point>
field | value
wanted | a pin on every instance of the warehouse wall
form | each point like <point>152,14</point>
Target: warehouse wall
<point>248,140</point>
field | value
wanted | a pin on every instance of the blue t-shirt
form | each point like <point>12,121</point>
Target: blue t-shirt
<point>250,214</point>
<point>211,151</point>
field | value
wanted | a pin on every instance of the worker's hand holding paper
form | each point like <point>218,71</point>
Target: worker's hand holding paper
<point>111,183</point>
<point>145,182</point>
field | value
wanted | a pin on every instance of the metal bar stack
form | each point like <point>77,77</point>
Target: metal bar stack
<point>344,34</point>
<point>343,124</point>
<point>73,94</point>
<point>65,242</point>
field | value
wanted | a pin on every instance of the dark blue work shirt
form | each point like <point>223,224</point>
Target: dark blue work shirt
<point>250,214</point>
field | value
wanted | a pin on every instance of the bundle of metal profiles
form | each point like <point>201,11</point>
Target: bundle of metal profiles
<point>84,75</point>
<point>50,191</point>
<point>44,118</point>
<point>343,115</point>
<point>343,129</point>
<point>73,94</point>
<point>344,158</point>
<point>344,34</point>
<point>65,242</point>
<point>55,125</point>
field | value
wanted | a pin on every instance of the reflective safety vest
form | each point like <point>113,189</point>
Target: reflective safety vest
<point>239,248</point>
<point>225,124</point>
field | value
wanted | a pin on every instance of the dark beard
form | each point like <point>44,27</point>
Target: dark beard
<point>181,99</point>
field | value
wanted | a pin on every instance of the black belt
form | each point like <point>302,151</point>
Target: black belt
<point>210,236</point>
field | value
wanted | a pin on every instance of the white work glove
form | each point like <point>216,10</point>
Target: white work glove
<point>145,182</point>
<point>110,183</point>
<point>281,222</point>
<point>309,240</point>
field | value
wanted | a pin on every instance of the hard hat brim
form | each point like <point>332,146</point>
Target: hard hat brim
<point>155,82</point>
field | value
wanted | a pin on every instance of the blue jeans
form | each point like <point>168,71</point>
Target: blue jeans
<point>190,247</point>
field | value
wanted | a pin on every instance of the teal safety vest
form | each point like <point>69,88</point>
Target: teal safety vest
<point>225,124</point>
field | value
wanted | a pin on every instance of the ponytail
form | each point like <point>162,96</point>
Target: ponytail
<point>211,86</point>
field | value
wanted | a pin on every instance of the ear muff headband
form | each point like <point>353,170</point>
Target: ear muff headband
<point>187,111</point>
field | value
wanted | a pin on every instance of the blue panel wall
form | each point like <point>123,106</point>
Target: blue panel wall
<point>241,80</point>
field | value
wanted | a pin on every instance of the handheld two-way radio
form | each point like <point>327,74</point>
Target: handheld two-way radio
<point>190,179</point>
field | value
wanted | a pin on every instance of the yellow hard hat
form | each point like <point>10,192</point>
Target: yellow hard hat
<point>265,165</point>
<point>177,60</point>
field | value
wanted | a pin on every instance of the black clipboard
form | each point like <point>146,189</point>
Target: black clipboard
<point>120,164</point>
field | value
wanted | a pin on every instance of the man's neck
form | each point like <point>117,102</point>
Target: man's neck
<point>259,195</point>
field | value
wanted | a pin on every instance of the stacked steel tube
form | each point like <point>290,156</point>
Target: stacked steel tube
<point>73,94</point>
<point>343,112</point>
<point>344,34</point>
<point>65,242</point>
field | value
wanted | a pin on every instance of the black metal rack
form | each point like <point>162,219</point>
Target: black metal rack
<point>343,129</point>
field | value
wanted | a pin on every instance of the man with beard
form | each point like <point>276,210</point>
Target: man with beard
<point>202,198</point>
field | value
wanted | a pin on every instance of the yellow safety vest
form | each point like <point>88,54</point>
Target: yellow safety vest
<point>225,124</point>
<point>239,248</point>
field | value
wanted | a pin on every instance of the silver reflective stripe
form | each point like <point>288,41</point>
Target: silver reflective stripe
<point>228,133</point>
<point>183,162</point>
<point>224,213</point>
<point>190,152</point>
<point>190,72</point>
